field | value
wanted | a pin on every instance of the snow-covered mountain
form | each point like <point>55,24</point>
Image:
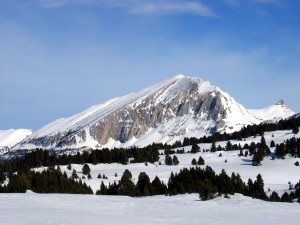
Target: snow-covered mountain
<point>9,138</point>
<point>165,112</point>
<point>273,113</point>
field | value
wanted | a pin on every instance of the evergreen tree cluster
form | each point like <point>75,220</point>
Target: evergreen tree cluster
<point>260,153</point>
<point>194,180</point>
<point>147,154</point>
<point>169,160</point>
<point>248,131</point>
<point>200,161</point>
<point>126,186</point>
<point>290,146</point>
<point>48,181</point>
<point>39,158</point>
<point>294,194</point>
<point>169,151</point>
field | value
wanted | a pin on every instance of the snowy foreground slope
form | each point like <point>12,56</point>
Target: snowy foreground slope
<point>53,209</point>
<point>166,112</point>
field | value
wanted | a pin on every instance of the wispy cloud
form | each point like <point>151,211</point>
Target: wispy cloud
<point>267,1</point>
<point>140,6</point>
<point>172,7</point>
<point>235,3</point>
<point>60,3</point>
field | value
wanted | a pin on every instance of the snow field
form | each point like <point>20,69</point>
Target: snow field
<point>53,209</point>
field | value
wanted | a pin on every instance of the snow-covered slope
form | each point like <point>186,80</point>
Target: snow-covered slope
<point>273,113</point>
<point>9,138</point>
<point>53,209</point>
<point>165,112</point>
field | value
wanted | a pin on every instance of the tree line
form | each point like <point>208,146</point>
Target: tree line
<point>47,181</point>
<point>292,123</point>
<point>194,180</point>
<point>40,157</point>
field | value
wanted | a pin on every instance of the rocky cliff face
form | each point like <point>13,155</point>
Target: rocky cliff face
<point>168,111</point>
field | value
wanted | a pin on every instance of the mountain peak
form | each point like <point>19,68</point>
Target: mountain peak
<point>179,76</point>
<point>280,102</point>
<point>178,107</point>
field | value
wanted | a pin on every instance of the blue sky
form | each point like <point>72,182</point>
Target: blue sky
<point>58,57</point>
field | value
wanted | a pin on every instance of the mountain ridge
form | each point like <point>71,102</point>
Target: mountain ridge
<point>165,112</point>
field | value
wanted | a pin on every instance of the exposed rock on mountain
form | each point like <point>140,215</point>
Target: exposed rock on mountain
<point>168,111</point>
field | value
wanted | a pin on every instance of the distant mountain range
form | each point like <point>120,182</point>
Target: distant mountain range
<point>165,112</point>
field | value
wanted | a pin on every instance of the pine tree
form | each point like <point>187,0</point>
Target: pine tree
<point>272,144</point>
<point>296,130</point>
<point>74,174</point>
<point>274,197</point>
<point>103,189</point>
<point>252,148</point>
<point>228,146</point>
<point>126,186</point>
<point>264,147</point>
<point>237,182</point>
<point>168,160</point>
<point>86,169</point>
<point>158,186</point>
<point>144,185</point>
<point>224,184</point>
<point>175,160</point>
<point>286,197</point>
<point>213,147</point>
<point>259,188</point>
<point>194,161</point>
<point>280,150</point>
<point>207,190</point>
<point>241,153</point>
<point>2,176</point>
<point>69,167</point>
<point>250,188</point>
<point>258,157</point>
<point>201,161</point>
<point>195,148</point>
